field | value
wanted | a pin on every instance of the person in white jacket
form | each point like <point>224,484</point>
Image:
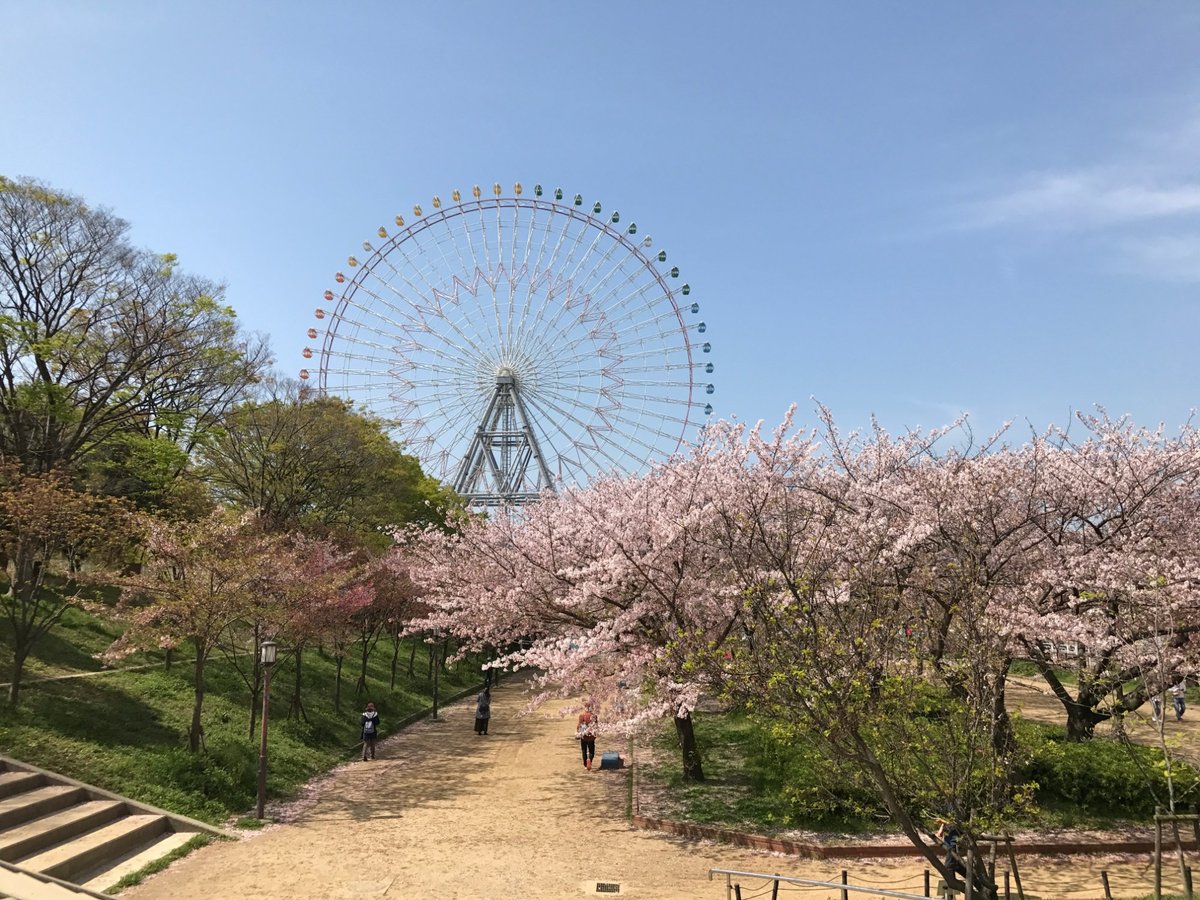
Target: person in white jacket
<point>1178,693</point>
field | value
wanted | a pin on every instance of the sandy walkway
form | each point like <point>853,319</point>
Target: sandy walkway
<point>446,814</point>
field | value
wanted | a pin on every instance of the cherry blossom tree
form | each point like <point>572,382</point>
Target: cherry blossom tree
<point>198,578</point>
<point>321,600</point>
<point>1114,568</point>
<point>593,587</point>
<point>47,532</point>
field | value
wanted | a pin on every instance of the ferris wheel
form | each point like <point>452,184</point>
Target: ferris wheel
<point>515,343</point>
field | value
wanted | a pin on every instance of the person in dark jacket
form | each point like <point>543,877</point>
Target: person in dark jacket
<point>370,731</point>
<point>483,710</point>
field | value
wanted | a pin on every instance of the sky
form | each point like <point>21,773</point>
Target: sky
<point>908,211</point>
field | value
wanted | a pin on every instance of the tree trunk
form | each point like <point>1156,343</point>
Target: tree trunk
<point>1082,716</point>
<point>254,694</point>
<point>196,732</point>
<point>296,707</point>
<point>412,658</point>
<point>256,678</point>
<point>1082,721</point>
<point>337,685</point>
<point>360,686</point>
<point>692,770</point>
<point>1002,730</point>
<point>168,658</point>
<point>395,659</point>
<point>18,671</point>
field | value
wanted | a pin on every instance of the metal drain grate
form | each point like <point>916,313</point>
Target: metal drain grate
<point>607,887</point>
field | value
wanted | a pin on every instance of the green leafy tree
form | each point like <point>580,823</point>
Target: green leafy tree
<point>314,461</point>
<point>99,338</point>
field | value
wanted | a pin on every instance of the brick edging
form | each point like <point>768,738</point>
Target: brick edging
<point>867,851</point>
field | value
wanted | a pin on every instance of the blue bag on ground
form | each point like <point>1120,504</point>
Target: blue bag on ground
<point>610,760</point>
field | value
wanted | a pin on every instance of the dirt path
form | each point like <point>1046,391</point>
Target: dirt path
<point>446,814</point>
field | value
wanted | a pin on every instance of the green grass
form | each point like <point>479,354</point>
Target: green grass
<point>73,645</point>
<point>754,783</point>
<point>127,731</point>
<point>757,783</point>
<point>158,865</point>
<point>250,823</point>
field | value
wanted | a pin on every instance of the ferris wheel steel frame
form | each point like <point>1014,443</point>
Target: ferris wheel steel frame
<point>504,463</point>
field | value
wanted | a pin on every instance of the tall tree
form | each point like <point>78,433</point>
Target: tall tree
<point>99,338</point>
<point>314,461</point>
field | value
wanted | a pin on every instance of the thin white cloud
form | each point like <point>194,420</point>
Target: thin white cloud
<point>1150,176</point>
<point>1174,257</point>
<point>1085,200</point>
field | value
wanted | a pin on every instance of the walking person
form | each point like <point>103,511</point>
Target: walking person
<point>1178,694</point>
<point>370,730</point>
<point>483,710</point>
<point>949,835</point>
<point>585,732</point>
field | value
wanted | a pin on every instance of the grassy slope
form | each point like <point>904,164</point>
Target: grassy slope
<point>127,731</point>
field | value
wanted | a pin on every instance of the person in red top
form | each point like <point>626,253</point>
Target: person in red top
<point>586,733</point>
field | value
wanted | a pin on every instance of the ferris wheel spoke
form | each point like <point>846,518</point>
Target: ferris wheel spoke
<point>527,301</point>
<point>478,275</point>
<point>601,459</point>
<point>539,274</point>
<point>549,269</point>
<point>410,317</point>
<point>638,268</point>
<point>599,433</point>
<point>583,307</point>
<point>402,344</point>
<point>466,345</point>
<point>436,295</point>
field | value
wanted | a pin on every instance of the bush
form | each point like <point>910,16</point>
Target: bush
<point>1101,776</point>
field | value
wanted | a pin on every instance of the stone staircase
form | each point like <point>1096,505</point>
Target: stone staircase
<point>60,838</point>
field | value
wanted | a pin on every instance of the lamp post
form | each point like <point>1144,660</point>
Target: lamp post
<point>266,656</point>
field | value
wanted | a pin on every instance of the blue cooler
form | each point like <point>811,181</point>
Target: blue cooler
<point>611,760</point>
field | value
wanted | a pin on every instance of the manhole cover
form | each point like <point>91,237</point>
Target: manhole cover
<point>607,887</point>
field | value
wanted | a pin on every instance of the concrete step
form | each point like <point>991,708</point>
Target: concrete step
<point>96,849</point>
<point>25,887</point>
<point>27,839</point>
<point>39,802</point>
<point>19,782</point>
<point>135,859</point>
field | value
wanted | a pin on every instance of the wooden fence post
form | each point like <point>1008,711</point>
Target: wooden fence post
<point>1104,880</point>
<point>1157,853</point>
<point>845,880</point>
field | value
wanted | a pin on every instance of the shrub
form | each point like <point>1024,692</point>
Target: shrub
<point>1101,776</point>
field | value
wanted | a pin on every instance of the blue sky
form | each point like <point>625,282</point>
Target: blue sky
<point>908,210</point>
